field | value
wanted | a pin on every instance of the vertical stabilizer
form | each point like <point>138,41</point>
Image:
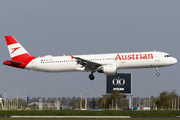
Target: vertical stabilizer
<point>15,48</point>
<point>17,53</point>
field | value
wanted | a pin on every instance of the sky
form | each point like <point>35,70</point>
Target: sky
<point>76,27</point>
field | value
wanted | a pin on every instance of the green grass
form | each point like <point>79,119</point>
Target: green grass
<point>89,113</point>
<point>90,118</point>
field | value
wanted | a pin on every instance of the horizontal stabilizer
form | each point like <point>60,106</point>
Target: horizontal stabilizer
<point>12,63</point>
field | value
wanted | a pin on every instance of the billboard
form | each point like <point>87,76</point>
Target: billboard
<point>121,82</point>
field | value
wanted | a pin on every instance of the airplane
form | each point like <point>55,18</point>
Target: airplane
<point>102,63</point>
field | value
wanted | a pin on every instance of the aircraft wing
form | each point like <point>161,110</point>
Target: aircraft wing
<point>89,65</point>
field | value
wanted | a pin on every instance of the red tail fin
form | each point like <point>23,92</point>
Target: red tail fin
<point>17,53</point>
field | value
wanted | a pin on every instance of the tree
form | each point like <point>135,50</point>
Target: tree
<point>64,101</point>
<point>74,102</point>
<point>93,103</point>
<point>114,98</point>
<point>165,100</point>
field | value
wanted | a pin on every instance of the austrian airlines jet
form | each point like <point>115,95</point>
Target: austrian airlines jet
<point>102,63</point>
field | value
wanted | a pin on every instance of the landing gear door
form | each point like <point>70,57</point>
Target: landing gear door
<point>157,57</point>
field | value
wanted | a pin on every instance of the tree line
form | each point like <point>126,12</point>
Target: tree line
<point>166,100</point>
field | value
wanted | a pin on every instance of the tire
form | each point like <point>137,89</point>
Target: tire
<point>91,77</point>
<point>158,74</point>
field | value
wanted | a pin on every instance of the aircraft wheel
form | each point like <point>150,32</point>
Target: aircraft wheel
<point>158,74</point>
<point>91,77</point>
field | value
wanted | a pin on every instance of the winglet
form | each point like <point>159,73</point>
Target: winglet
<point>72,57</point>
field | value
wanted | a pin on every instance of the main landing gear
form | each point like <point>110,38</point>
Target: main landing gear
<point>91,76</point>
<point>157,73</point>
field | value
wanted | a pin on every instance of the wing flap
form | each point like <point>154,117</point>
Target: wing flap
<point>89,65</point>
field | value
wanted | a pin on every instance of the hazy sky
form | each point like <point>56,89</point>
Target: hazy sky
<point>75,27</point>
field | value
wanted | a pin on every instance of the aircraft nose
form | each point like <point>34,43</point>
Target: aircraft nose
<point>174,60</point>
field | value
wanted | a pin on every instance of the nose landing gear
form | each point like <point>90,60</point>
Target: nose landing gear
<point>157,73</point>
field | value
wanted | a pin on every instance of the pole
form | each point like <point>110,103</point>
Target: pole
<point>130,103</point>
<point>91,96</point>
<point>116,104</point>
<point>86,103</point>
<point>149,104</point>
<point>17,97</point>
<point>5,99</point>
<point>104,103</point>
<point>81,101</point>
<point>54,93</point>
<point>68,99</point>
<point>172,103</point>
<point>175,104</point>
<point>1,103</point>
<point>11,105</point>
<point>139,103</point>
<point>154,104</point>
<point>178,103</point>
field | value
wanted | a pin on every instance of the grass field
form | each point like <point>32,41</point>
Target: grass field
<point>89,113</point>
<point>89,118</point>
<point>103,113</point>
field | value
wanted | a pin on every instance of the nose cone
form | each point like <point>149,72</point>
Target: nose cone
<point>174,61</point>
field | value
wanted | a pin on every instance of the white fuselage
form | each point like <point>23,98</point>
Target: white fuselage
<point>120,60</point>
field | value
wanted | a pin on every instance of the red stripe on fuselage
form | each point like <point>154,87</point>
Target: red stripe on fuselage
<point>10,40</point>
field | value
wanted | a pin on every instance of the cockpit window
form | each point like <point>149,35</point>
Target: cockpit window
<point>167,55</point>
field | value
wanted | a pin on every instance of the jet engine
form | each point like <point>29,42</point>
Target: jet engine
<point>108,69</point>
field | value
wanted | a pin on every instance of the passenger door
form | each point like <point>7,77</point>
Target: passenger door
<point>157,57</point>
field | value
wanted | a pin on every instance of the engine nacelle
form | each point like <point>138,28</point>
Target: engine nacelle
<point>108,69</point>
